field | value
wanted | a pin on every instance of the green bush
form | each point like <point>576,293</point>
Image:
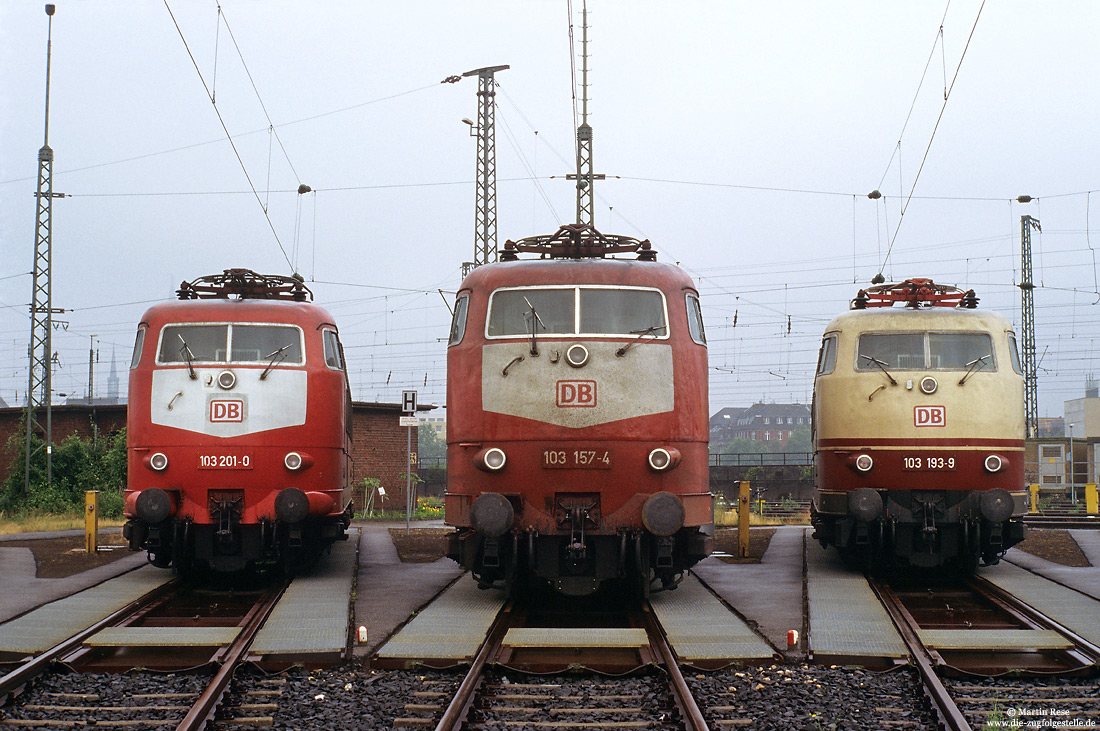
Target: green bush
<point>78,466</point>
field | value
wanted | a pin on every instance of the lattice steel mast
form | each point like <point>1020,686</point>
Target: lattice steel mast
<point>1027,314</point>
<point>39,386</point>
<point>584,175</point>
<point>485,220</point>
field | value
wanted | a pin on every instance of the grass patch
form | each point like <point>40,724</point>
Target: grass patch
<point>34,522</point>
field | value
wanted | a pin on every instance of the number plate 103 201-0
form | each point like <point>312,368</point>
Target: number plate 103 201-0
<point>929,462</point>
<point>590,459</point>
<point>225,461</point>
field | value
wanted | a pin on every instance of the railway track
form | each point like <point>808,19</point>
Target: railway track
<point>976,629</point>
<point>487,698</point>
<point>199,631</point>
<point>1063,522</point>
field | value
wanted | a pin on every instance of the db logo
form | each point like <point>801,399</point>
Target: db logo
<point>227,410</point>
<point>573,394</point>
<point>930,416</point>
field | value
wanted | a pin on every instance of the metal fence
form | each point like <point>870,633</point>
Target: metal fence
<point>771,459</point>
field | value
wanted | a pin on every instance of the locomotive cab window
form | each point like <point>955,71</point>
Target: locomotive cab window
<point>510,311</point>
<point>695,320</point>
<point>334,354</point>
<point>139,342</point>
<point>458,322</point>
<point>622,311</point>
<point>1014,355</point>
<point>256,343</point>
<point>577,311</point>
<point>923,351</point>
<point>826,359</point>
<point>195,343</point>
<point>223,343</point>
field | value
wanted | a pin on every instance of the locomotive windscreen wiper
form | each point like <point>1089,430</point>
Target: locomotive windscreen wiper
<point>973,367</point>
<point>535,322</point>
<point>280,354</point>
<point>881,367</point>
<point>641,334</point>
<point>188,356</point>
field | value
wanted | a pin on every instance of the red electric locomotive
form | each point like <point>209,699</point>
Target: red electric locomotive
<point>919,430</point>
<point>239,427</point>
<point>577,420</point>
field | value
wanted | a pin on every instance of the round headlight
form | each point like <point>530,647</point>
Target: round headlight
<point>928,384</point>
<point>576,355</point>
<point>864,463</point>
<point>159,461</point>
<point>492,459</point>
<point>660,459</point>
<point>227,380</point>
<point>292,460</point>
<point>993,463</point>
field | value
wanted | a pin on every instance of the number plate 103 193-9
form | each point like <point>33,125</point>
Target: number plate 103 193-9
<point>225,461</point>
<point>590,459</point>
<point>929,462</point>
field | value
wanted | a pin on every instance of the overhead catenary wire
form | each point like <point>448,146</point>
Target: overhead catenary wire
<point>221,120</point>
<point>932,137</point>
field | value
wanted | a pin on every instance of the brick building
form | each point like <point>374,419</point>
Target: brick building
<point>759,422</point>
<point>378,444</point>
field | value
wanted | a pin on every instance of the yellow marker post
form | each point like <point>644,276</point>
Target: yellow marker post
<point>1090,499</point>
<point>743,520</point>
<point>1034,490</point>
<point>91,521</point>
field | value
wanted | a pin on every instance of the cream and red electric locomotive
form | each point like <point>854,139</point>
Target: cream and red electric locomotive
<point>919,430</point>
<point>239,427</point>
<point>577,420</point>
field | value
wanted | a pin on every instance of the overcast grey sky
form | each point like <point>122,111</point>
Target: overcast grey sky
<point>740,138</point>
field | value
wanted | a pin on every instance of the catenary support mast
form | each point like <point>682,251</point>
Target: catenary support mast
<point>1027,315</point>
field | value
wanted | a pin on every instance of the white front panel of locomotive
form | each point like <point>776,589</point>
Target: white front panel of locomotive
<point>607,388</point>
<point>201,405</point>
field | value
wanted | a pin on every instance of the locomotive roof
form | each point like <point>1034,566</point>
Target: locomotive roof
<point>534,272</point>
<point>907,318</point>
<point>304,314</point>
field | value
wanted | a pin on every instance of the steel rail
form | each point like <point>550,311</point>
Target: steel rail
<point>942,702</point>
<point>36,666</point>
<point>203,709</point>
<point>464,697</point>
<point>1066,522</point>
<point>998,595</point>
<point>681,693</point>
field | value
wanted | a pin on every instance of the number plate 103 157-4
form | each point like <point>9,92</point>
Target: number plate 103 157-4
<point>225,461</point>
<point>590,459</point>
<point>929,462</point>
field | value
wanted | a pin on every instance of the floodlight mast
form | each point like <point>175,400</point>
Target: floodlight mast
<point>485,220</point>
<point>40,352</point>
